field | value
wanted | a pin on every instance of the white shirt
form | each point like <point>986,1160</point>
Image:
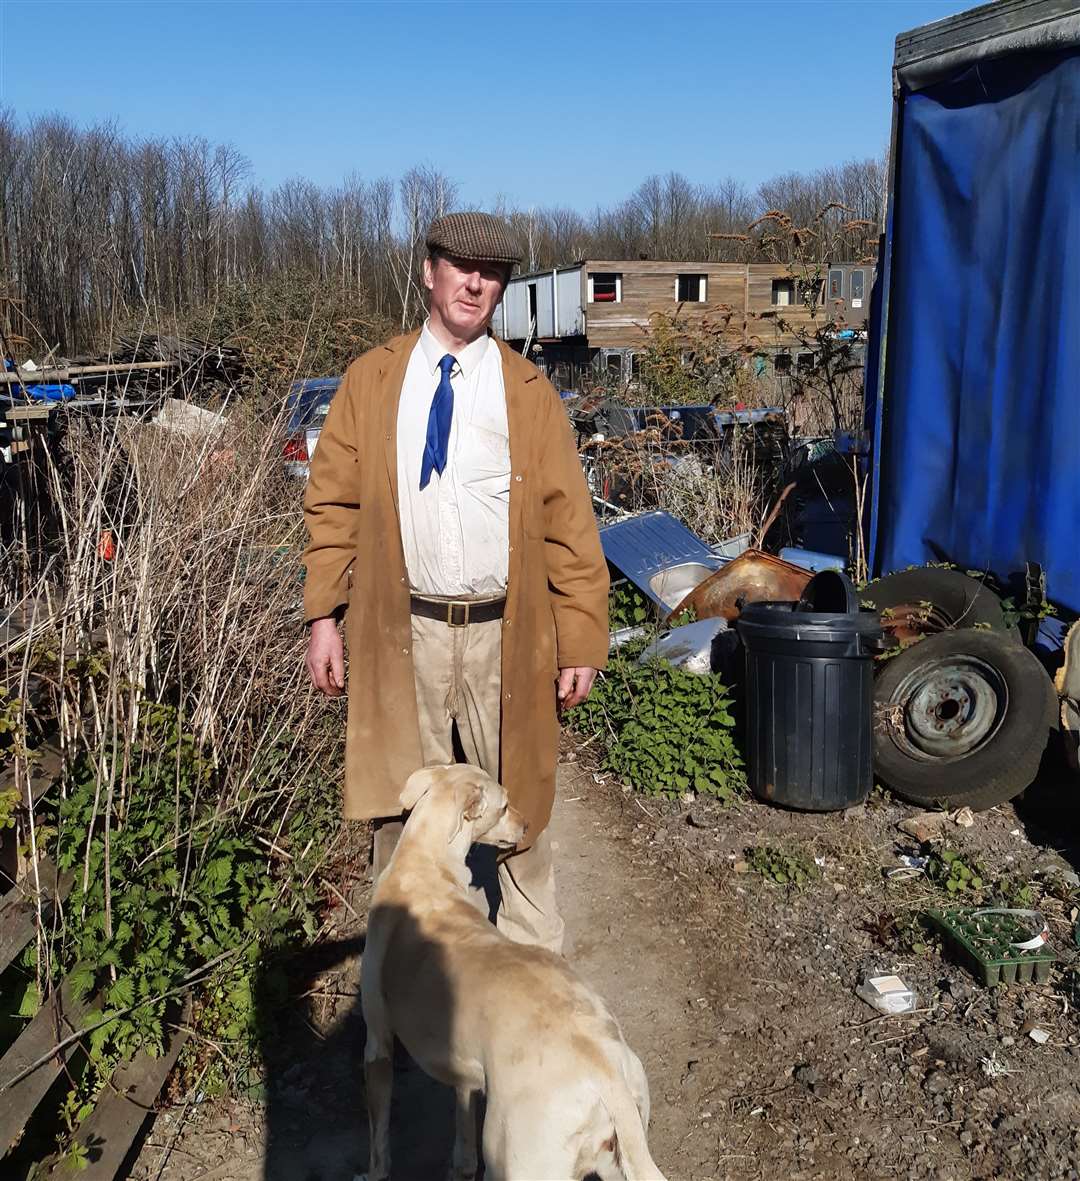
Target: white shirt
<point>455,532</point>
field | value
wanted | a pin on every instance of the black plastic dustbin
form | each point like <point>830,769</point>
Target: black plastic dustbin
<point>809,696</point>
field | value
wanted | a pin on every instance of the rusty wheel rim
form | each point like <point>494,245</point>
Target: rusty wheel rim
<point>949,708</point>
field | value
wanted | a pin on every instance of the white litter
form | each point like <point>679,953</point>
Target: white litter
<point>888,994</point>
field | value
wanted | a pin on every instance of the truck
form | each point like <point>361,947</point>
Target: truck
<point>973,405</point>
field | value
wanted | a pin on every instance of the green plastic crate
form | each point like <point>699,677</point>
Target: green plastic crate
<point>982,943</point>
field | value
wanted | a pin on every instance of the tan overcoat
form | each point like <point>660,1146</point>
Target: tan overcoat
<point>556,599</point>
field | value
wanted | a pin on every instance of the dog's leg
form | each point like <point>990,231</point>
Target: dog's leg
<point>379,1079</point>
<point>466,1161</point>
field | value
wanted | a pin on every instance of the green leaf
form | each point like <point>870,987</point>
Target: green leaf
<point>30,1001</point>
<point>122,993</point>
<point>81,981</point>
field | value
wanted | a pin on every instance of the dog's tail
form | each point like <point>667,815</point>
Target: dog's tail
<point>631,1146</point>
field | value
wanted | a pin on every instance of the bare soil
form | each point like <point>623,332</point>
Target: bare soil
<point>738,994</point>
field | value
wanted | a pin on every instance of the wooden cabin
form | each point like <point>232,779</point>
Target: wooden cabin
<point>594,316</point>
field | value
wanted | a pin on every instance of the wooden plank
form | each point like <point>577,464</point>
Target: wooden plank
<point>18,914</point>
<point>108,1132</point>
<point>18,413</point>
<point>35,779</point>
<point>22,1083</point>
<point>38,376</point>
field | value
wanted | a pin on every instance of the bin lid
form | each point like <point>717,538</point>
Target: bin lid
<point>830,591</point>
<point>786,621</point>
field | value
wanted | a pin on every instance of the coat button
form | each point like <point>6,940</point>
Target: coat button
<point>404,651</point>
<point>388,438</point>
<point>518,478</point>
<point>508,697</point>
<point>506,623</point>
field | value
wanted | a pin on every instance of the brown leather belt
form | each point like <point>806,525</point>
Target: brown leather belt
<point>457,612</point>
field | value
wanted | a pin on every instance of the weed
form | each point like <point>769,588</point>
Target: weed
<point>947,869</point>
<point>196,810</point>
<point>788,867</point>
<point>627,606</point>
<point>666,731</point>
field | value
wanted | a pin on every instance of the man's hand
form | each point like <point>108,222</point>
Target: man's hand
<point>574,685</point>
<point>326,657</point>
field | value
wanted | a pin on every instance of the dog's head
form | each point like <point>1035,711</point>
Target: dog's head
<point>472,800</point>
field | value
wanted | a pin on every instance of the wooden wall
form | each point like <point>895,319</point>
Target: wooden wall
<point>746,291</point>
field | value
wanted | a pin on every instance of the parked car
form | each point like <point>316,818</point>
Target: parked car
<point>307,404</point>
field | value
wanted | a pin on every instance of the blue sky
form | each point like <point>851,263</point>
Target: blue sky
<point>542,103</point>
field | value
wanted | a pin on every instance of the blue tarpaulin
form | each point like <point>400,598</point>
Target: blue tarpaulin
<point>977,436</point>
<point>46,391</point>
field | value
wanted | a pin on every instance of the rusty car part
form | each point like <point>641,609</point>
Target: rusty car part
<point>753,577</point>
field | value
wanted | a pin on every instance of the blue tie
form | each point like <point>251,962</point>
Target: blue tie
<point>438,424</point>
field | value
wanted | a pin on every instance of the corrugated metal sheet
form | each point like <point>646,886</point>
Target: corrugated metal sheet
<point>560,287</point>
<point>571,313</point>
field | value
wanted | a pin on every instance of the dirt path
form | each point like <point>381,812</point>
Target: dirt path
<point>621,937</point>
<point>739,996</point>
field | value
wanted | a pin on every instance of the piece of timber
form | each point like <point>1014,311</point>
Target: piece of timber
<point>108,1132</point>
<point>24,1080</point>
<point>18,913</point>
<point>45,376</point>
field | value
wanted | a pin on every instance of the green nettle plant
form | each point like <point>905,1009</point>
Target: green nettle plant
<point>666,731</point>
<point>627,607</point>
<point>157,906</point>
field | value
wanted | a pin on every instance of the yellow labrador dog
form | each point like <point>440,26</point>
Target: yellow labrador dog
<point>566,1096</point>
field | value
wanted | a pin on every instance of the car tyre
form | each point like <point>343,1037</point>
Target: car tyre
<point>928,600</point>
<point>962,719</point>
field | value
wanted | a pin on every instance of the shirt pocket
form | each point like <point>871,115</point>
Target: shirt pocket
<point>486,469</point>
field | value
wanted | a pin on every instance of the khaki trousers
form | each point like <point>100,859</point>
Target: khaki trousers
<point>458,684</point>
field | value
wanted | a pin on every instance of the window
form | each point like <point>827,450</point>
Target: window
<point>836,284</point>
<point>635,365</point>
<point>605,288</point>
<point>690,289</point>
<point>783,292</point>
<point>856,289</point>
<point>804,362</point>
<point>532,302</point>
<point>810,291</point>
<point>782,363</point>
<point>614,364</point>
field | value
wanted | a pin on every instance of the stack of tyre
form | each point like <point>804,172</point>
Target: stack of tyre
<point>962,709</point>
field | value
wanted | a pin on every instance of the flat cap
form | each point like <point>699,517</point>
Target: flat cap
<point>478,237</point>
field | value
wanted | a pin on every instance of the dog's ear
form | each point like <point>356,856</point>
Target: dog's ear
<point>416,786</point>
<point>474,806</point>
<point>472,809</point>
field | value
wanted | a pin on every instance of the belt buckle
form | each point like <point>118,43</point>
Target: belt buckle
<point>452,620</point>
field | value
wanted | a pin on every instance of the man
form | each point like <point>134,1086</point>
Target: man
<point>450,523</point>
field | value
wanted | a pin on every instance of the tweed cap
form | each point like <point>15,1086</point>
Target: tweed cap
<point>478,237</point>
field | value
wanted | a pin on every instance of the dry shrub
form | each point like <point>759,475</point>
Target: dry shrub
<point>719,489</point>
<point>165,596</point>
<point>200,603</point>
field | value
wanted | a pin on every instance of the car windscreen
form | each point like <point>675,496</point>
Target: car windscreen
<point>310,409</point>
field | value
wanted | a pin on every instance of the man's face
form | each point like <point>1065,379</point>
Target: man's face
<point>463,294</point>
